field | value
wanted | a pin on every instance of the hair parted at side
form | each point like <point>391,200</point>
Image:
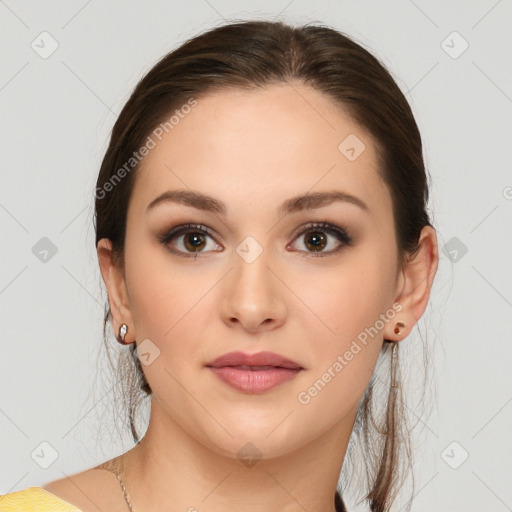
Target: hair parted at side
<point>254,54</point>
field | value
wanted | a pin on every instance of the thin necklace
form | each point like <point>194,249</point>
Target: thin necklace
<point>121,483</point>
<point>125,493</point>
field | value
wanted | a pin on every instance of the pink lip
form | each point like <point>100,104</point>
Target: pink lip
<point>254,373</point>
<point>258,359</point>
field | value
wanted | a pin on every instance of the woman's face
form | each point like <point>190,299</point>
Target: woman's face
<point>256,283</point>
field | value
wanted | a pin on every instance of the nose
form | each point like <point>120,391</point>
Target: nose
<point>253,297</point>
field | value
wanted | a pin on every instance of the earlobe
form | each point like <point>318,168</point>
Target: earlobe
<point>114,279</point>
<point>416,284</point>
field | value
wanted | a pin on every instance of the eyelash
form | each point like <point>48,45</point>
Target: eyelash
<point>323,226</point>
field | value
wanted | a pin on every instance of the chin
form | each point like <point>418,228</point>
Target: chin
<point>254,441</point>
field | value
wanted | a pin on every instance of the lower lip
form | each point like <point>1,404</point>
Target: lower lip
<point>254,381</point>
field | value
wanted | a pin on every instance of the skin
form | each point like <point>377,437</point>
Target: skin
<point>252,151</point>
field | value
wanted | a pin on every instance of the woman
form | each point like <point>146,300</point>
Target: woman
<point>263,235</point>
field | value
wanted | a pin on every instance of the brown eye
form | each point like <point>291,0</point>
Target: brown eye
<point>189,239</point>
<point>316,237</point>
<point>194,241</point>
<point>315,240</point>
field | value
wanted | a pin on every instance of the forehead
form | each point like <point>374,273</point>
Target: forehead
<point>261,146</point>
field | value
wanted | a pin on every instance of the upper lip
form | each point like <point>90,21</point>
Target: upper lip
<point>258,359</point>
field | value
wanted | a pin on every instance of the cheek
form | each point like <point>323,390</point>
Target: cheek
<point>166,306</point>
<point>161,293</point>
<point>344,300</point>
<point>347,330</point>
<point>347,302</point>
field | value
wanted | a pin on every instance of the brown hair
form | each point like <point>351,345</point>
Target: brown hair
<point>255,54</point>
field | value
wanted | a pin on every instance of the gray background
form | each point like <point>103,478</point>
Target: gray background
<point>57,113</point>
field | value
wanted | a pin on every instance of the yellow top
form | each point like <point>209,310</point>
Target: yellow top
<point>34,499</point>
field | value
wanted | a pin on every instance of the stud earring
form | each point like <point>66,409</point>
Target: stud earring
<point>123,329</point>
<point>397,327</point>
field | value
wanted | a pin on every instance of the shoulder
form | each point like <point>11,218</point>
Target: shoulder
<point>34,499</point>
<point>93,490</point>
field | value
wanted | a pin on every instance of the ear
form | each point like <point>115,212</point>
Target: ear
<point>114,279</point>
<point>415,283</point>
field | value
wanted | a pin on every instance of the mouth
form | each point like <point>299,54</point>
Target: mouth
<point>258,361</point>
<point>252,368</point>
<point>254,373</point>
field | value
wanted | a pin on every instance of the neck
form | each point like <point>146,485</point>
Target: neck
<point>170,470</point>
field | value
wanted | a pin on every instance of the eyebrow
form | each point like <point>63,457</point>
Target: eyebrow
<point>293,205</point>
